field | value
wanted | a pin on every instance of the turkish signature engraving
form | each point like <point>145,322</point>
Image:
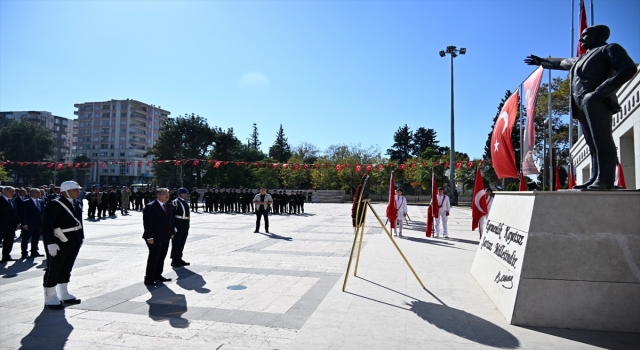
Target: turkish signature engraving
<point>506,281</point>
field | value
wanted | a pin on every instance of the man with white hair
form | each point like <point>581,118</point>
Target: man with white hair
<point>62,234</point>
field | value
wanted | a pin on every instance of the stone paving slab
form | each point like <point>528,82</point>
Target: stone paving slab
<point>281,290</point>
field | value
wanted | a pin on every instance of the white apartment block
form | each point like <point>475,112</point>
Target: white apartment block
<point>118,131</point>
<point>61,127</point>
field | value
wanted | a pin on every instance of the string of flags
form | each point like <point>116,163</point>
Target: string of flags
<point>220,163</point>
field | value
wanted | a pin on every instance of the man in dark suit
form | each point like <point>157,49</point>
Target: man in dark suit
<point>62,234</point>
<point>158,219</point>
<point>596,76</point>
<point>9,221</point>
<point>113,201</point>
<point>31,221</point>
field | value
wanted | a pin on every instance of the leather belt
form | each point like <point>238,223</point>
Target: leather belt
<point>183,217</point>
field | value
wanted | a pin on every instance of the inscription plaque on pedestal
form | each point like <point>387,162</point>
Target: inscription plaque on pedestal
<point>563,259</point>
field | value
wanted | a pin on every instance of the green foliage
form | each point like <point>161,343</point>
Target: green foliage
<point>4,175</point>
<point>254,143</point>
<point>423,139</point>
<point>292,178</point>
<point>26,141</point>
<point>403,145</point>
<point>280,151</point>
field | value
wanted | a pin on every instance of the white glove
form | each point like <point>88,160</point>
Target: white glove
<point>53,249</point>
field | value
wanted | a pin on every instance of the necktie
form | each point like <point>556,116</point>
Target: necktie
<point>38,205</point>
<point>164,206</point>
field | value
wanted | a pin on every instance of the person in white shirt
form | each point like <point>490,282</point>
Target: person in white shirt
<point>443,209</point>
<point>401,212</point>
<point>488,195</point>
<point>262,203</point>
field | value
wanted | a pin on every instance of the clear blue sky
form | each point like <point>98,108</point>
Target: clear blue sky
<point>328,71</point>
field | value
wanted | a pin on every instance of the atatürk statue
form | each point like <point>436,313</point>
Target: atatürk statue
<point>596,76</point>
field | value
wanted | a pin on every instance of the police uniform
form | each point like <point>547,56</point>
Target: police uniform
<point>182,229</point>
<point>62,234</point>
<point>216,199</point>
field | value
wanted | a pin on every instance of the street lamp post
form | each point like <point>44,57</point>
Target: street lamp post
<point>453,52</point>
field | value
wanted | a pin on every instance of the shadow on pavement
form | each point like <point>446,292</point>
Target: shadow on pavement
<point>190,280</point>
<point>606,340</point>
<point>50,331</point>
<point>17,267</point>
<point>165,304</point>
<point>437,242</point>
<point>274,236</point>
<point>464,325</point>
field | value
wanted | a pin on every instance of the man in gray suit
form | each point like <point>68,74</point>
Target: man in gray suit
<point>596,76</point>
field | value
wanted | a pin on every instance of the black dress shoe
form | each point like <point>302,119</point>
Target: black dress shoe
<point>150,283</point>
<point>24,256</point>
<point>163,279</point>
<point>184,263</point>
<point>176,264</point>
<point>584,185</point>
<point>71,301</point>
<point>55,307</point>
<point>600,185</point>
<point>267,231</point>
<point>256,231</point>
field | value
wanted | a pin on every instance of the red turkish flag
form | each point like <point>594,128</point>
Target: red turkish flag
<point>296,166</point>
<point>305,167</point>
<point>149,162</point>
<point>479,203</point>
<point>50,165</point>
<point>530,88</point>
<point>572,179</point>
<point>358,168</point>
<point>523,183</point>
<point>436,163</point>
<point>413,165</point>
<point>59,166</point>
<point>583,25</point>
<point>318,165</point>
<point>238,163</point>
<point>196,162</point>
<point>469,165</point>
<point>77,165</point>
<point>338,167</point>
<point>502,154</point>
<point>104,164</point>
<point>177,163</point>
<point>139,164</point>
<point>284,166</point>
<point>458,165</point>
<point>217,164</point>
<point>557,184</point>
<point>379,167</point>
<point>159,161</point>
<point>432,210</point>
<point>620,177</point>
<point>402,166</point>
<point>368,167</point>
<point>392,214</point>
<point>446,165</point>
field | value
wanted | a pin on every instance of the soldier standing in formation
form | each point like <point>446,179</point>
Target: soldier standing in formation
<point>216,200</point>
<point>62,234</point>
<point>125,195</point>
<point>207,197</point>
<point>194,199</point>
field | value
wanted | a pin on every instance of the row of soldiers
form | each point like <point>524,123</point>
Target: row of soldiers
<point>241,201</point>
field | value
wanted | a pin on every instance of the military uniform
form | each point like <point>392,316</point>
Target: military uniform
<point>182,230</point>
<point>194,200</point>
<point>224,197</point>
<point>208,200</point>
<point>216,200</point>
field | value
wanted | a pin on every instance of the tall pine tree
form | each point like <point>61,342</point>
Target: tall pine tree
<point>403,146</point>
<point>280,151</point>
<point>422,139</point>
<point>253,138</point>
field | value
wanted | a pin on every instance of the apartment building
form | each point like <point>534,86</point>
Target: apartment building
<point>118,131</point>
<point>61,127</point>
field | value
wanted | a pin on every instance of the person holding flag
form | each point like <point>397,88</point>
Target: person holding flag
<point>488,198</point>
<point>479,205</point>
<point>443,208</point>
<point>400,204</point>
<point>391,211</point>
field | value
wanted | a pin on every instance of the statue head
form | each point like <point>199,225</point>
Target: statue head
<point>595,36</point>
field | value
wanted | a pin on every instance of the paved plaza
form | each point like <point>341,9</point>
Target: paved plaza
<point>281,290</point>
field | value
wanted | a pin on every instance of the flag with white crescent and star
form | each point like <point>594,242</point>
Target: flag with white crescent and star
<point>479,203</point>
<point>503,157</point>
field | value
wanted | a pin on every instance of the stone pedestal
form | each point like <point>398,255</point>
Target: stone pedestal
<point>564,259</point>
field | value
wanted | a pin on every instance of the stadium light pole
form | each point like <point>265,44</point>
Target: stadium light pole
<point>453,52</point>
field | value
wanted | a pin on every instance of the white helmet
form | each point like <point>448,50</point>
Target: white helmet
<point>69,185</point>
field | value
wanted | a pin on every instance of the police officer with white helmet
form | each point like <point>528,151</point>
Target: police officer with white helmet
<point>62,234</point>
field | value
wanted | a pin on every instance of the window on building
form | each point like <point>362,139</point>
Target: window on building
<point>123,169</point>
<point>123,138</point>
<point>123,130</point>
<point>106,107</point>
<point>123,122</point>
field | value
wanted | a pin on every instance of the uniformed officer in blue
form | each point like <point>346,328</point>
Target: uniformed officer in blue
<point>62,234</point>
<point>182,228</point>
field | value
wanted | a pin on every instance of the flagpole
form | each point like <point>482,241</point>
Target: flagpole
<point>592,20</point>
<point>570,80</point>
<point>550,141</point>
<point>521,125</point>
